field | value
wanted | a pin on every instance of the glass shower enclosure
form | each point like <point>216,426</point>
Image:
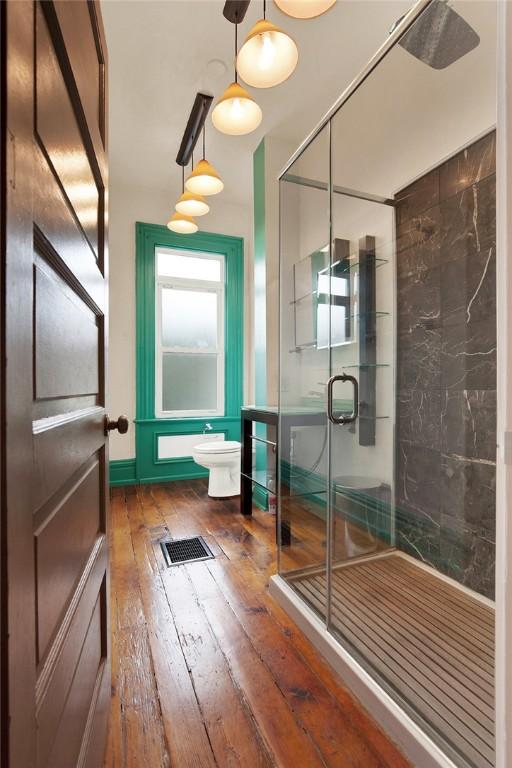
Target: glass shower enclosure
<point>387,393</point>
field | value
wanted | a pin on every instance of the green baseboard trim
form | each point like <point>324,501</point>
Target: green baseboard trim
<point>260,498</point>
<point>122,472</point>
<point>174,477</point>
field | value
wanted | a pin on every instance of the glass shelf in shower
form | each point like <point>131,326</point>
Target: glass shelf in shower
<point>352,316</point>
<point>370,314</point>
<point>362,365</point>
<point>300,347</point>
<point>356,264</point>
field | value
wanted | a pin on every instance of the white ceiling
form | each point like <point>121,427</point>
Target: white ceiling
<point>407,117</point>
<point>162,53</point>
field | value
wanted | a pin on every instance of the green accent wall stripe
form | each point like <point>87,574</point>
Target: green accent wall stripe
<point>148,467</point>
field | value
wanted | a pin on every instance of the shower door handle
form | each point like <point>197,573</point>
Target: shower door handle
<point>344,419</point>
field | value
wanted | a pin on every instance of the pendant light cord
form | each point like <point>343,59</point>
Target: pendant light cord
<point>204,141</point>
<point>236,50</point>
<point>182,179</point>
<point>264,9</point>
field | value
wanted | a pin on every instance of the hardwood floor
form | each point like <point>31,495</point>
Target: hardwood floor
<point>207,669</point>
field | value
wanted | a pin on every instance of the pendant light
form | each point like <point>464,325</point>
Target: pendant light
<point>191,204</point>
<point>181,222</point>
<point>268,57</point>
<point>184,225</point>
<point>204,179</point>
<point>236,112</point>
<point>304,9</point>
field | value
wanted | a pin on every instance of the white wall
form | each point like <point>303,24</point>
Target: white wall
<point>128,205</point>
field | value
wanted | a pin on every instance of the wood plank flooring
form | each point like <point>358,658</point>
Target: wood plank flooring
<point>431,641</point>
<point>207,669</point>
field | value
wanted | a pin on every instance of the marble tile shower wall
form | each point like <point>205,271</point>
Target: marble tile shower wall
<point>446,356</point>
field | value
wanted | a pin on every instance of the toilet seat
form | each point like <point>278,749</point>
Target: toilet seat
<point>218,446</point>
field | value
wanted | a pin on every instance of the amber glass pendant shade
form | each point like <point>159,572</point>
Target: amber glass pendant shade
<point>304,9</point>
<point>236,112</point>
<point>204,180</point>
<point>192,205</point>
<point>268,57</point>
<point>184,225</point>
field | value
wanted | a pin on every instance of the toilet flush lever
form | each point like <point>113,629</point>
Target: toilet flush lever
<point>121,424</point>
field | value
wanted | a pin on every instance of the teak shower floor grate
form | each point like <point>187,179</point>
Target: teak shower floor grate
<point>427,639</point>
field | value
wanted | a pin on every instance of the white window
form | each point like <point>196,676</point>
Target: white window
<point>189,333</point>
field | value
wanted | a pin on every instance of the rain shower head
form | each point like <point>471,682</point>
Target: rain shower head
<point>439,37</point>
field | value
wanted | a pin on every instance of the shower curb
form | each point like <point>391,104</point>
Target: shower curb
<point>414,743</point>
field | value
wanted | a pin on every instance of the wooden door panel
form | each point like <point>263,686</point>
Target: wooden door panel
<point>55,681</point>
<point>62,445</point>
<point>66,339</point>
<point>69,736</point>
<point>62,545</point>
<point>90,78</point>
<point>58,235</point>
<point>61,139</point>
<point>56,296</point>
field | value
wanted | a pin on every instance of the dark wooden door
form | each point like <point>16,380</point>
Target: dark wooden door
<point>54,452</point>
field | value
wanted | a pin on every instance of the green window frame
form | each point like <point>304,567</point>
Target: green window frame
<point>148,427</point>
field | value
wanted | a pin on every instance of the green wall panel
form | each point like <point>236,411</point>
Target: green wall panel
<point>148,468</point>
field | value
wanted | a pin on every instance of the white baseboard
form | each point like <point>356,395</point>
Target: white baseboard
<point>414,743</point>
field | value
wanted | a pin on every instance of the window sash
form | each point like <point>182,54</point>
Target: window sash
<point>219,293</point>
<point>201,411</point>
<point>193,285</point>
<point>194,255</point>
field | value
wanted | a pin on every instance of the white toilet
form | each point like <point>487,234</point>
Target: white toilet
<point>222,458</point>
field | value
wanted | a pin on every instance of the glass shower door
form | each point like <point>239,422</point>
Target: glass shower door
<point>362,366</point>
<point>388,375</point>
<point>304,369</point>
<point>412,514</point>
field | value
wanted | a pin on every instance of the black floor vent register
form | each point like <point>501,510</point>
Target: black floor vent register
<point>180,551</point>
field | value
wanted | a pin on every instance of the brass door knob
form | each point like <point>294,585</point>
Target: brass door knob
<point>121,425</point>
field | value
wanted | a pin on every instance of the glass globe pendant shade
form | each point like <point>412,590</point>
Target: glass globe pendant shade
<point>236,112</point>
<point>184,225</point>
<point>192,205</point>
<point>304,9</point>
<point>204,180</point>
<point>268,56</point>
